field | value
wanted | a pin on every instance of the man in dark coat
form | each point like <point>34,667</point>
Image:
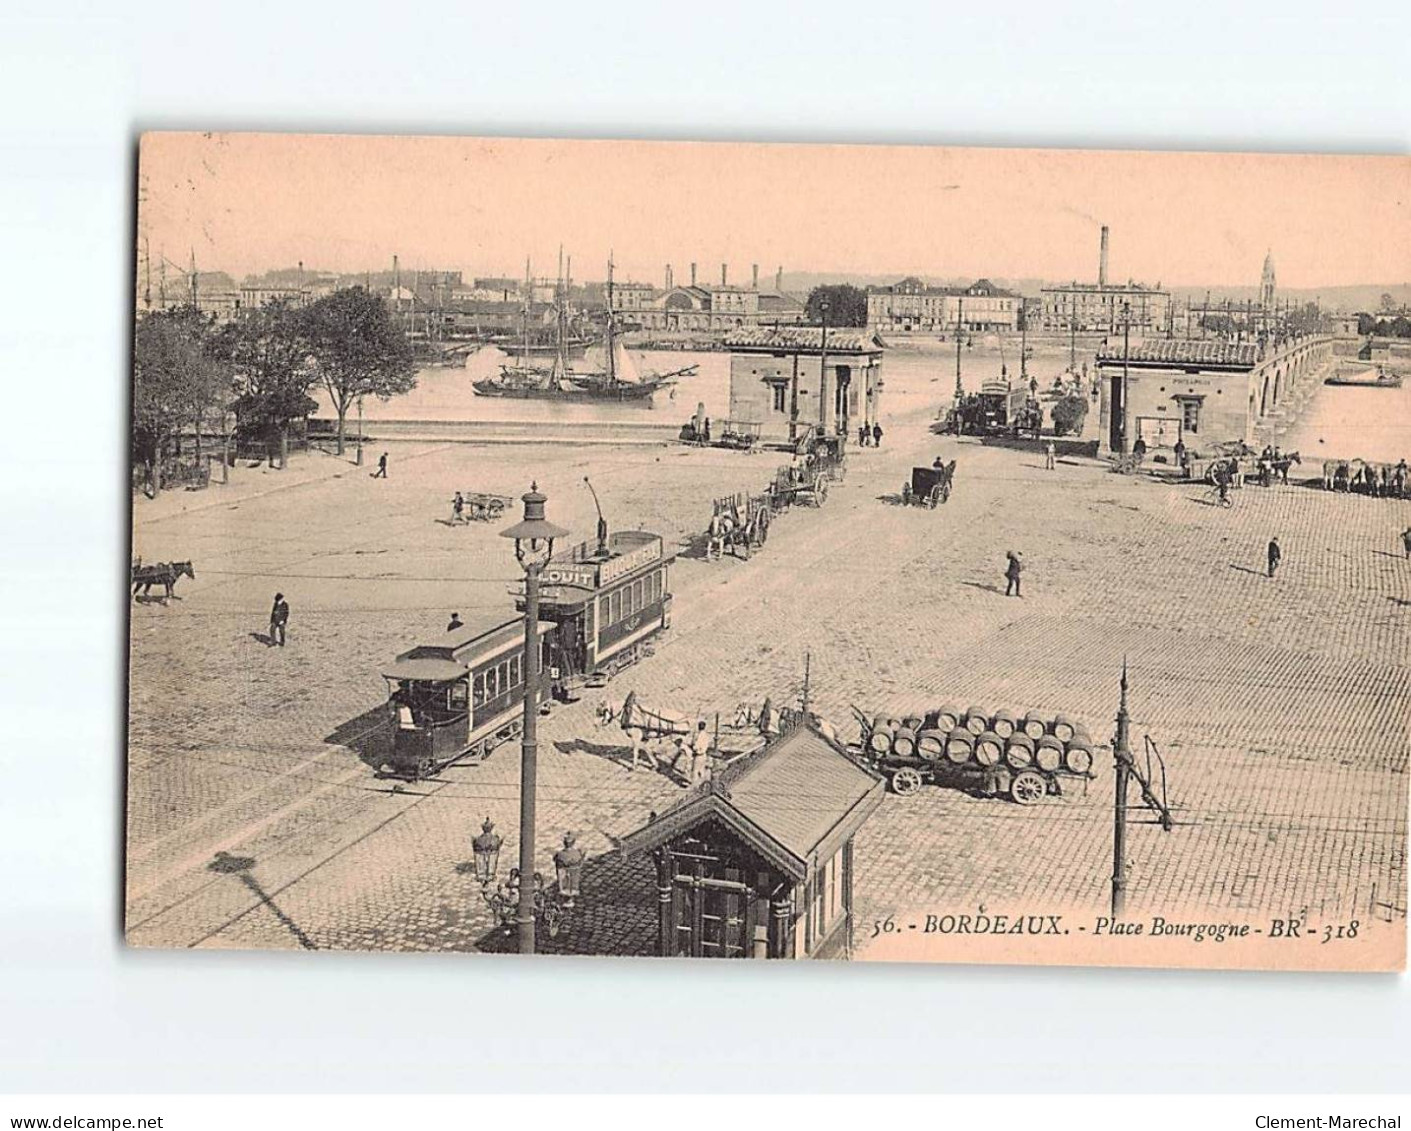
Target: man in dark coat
<point>455,623</point>
<point>278,618</point>
<point>381,472</point>
<point>877,435</point>
<point>1275,555</point>
<point>1011,573</point>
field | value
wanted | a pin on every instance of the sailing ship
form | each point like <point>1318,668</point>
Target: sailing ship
<point>618,381</point>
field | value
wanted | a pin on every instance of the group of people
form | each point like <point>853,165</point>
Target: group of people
<point>867,435</point>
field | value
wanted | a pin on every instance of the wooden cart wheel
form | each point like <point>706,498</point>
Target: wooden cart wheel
<point>1028,788</point>
<point>906,494</point>
<point>905,782</point>
<point>934,497</point>
<point>945,492</point>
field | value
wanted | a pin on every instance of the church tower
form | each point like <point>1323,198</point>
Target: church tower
<point>1266,283</point>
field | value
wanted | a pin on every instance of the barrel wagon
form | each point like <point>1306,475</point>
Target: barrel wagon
<point>1025,757</point>
<point>797,485</point>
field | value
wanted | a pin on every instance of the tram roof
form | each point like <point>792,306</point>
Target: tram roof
<point>427,669</point>
<point>477,634</point>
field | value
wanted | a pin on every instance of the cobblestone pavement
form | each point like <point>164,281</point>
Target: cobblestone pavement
<point>1279,706</point>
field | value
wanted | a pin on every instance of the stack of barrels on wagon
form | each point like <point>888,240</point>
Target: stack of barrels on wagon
<point>977,737</point>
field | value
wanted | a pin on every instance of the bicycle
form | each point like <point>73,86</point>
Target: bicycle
<point>1215,498</point>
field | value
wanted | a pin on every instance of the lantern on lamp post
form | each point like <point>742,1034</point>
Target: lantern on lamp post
<point>534,539</point>
<point>487,853</point>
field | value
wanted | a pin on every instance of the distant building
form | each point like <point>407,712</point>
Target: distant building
<point>633,296</point>
<point>255,295</point>
<point>716,308</point>
<point>745,870</point>
<point>779,377</point>
<point>1106,309</point>
<point>911,306</point>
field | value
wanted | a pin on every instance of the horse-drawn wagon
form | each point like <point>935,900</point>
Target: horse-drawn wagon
<point>165,574</point>
<point>929,486</point>
<point>1022,756</point>
<point>482,507</point>
<point>797,484</point>
<point>739,435</point>
<point>739,524</point>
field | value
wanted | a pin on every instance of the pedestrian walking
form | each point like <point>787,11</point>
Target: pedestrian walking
<point>700,754</point>
<point>1011,572</point>
<point>278,619</point>
<point>1406,541</point>
<point>877,435</point>
<point>862,435</point>
<point>456,623</point>
<point>1275,555</point>
<point>707,430</point>
<point>1048,456</point>
<point>381,472</point>
<point>458,509</point>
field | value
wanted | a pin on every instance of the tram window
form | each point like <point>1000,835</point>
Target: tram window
<point>456,700</point>
<point>616,608</point>
<point>504,670</point>
<point>639,594</point>
<point>492,682</point>
<point>516,674</point>
<point>480,695</point>
<point>603,609</point>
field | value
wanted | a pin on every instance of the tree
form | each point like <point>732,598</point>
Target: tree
<point>357,350</point>
<point>268,352</point>
<point>177,377</point>
<point>1388,303</point>
<point>847,305</point>
<point>1068,414</point>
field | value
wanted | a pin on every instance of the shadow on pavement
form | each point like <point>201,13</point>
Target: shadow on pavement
<point>225,864</point>
<point>369,736</point>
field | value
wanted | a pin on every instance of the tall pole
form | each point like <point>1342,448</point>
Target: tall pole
<point>1122,766</point>
<point>794,402</point>
<point>1072,333</point>
<point>823,373</point>
<point>1126,331</point>
<point>529,753</point>
<point>959,323</point>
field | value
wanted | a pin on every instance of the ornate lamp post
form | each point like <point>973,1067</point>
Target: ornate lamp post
<point>533,547</point>
<point>487,853</point>
<point>823,371</point>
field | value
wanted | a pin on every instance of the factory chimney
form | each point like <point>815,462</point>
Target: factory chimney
<point>1102,260</point>
<point>668,276</point>
<point>693,274</point>
<point>754,276</point>
<point>723,267</point>
<point>779,280</point>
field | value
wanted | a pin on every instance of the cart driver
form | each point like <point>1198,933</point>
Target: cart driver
<point>700,753</point>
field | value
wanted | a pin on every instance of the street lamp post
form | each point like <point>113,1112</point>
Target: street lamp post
<point>823,370</point>
<point>1122,769</point>
<point>533,547</point>
<point>1126,347</point>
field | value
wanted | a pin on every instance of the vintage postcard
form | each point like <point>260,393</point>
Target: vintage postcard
<point>770,551</point>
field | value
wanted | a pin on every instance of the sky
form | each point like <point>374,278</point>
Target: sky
<point>247,203</point>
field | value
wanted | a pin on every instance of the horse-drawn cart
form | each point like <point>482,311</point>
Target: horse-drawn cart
<point>739,435</point>
<point>796,485</point>
<point>480,507</point>
<point>929,486</point>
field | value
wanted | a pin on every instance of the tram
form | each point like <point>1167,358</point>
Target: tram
<point>460,694</point>
<point>606,599</point>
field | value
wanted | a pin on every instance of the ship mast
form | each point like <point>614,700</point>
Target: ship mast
<point>528,297</point>
<point>560,361</point>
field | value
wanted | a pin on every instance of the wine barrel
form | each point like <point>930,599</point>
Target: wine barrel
<point>1019,750</point>
<point>1078,757</point>
<point>1004,723</point>
<point>904,742</point>
<point>1034,725</point>
<point>893,723</point>
<point>948,718</point>
<point>960,744</point>
<point>1048,753</point>
<point>931,744</point>
<point>976,721</point>
<point>989,748</point>
<point>1062,728</point>
<point>879,740</point>
<point>913,722</point>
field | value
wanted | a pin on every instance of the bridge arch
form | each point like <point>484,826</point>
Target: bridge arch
<point>1264,396</point>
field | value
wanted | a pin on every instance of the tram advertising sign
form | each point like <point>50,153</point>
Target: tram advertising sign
<point>643,555</point>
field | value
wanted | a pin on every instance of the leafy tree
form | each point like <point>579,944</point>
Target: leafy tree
<point>1388,303</point>
<point>1068,414</point>
<point>268,352</point>
<point>177,378</point>
<point>847,305</point>
<point>357,350</point>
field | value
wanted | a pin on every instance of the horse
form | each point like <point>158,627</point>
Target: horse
<point>644,729</point>
<point>163,573</point>
<point>1282,464</point>
<point>1341,474</point>
<point>718,535</point>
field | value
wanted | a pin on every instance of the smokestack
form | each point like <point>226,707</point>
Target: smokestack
<point>723,267</point>
<point>1102,260</point>
<point>754,276</point>
<point>693,274</point>
<point>779,280</point>
<point>668,276</point>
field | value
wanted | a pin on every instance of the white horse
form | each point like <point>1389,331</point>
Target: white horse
<point>647,731</point>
